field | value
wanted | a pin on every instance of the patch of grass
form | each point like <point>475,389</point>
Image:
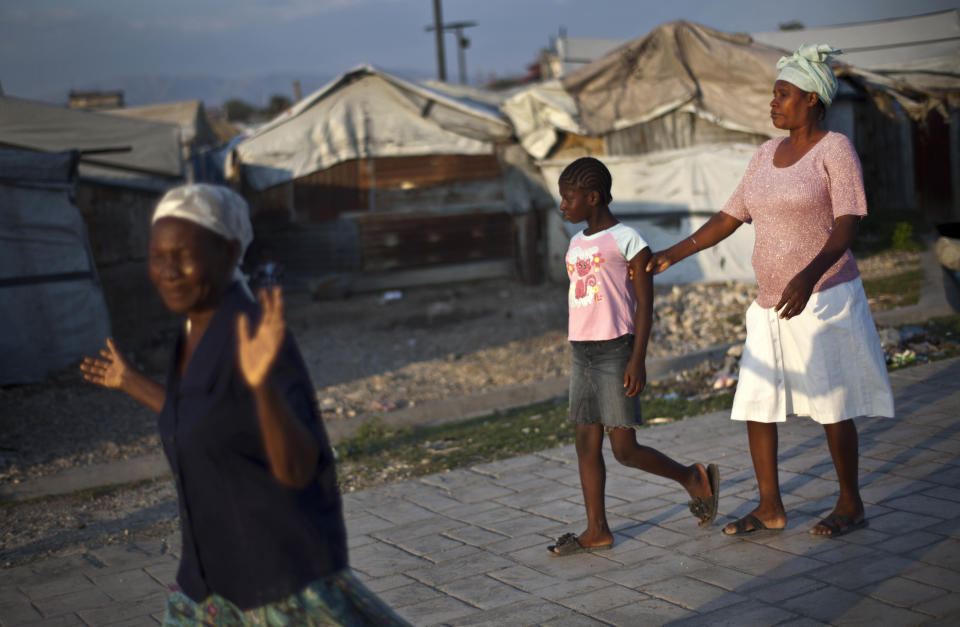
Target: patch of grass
<point>889,229</point>
<point>898,290</point>
<point>377,455</point>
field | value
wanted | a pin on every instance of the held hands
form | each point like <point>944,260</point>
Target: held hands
<point>110,370</point>
<point>635,378</point>
<point>795,296</point>
<point>257,352</point>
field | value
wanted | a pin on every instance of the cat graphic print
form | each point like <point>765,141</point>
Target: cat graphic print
<point>583,266</point>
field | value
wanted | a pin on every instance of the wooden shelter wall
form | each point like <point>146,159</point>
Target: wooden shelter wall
<point>878,141</point>
<point>390,242</point>
<point>396,183</point>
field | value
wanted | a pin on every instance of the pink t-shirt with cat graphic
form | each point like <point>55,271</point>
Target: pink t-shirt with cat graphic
<point>601,299</point>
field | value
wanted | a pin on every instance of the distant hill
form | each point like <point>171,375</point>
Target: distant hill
<point>212,90</point>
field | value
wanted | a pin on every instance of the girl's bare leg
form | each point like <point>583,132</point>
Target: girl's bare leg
<point>630,453</point>
<point>593,479</point>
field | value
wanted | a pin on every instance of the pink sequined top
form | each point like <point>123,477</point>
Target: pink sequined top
<point>793,210</point>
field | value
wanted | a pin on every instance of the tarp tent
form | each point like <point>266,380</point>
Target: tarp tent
<point>140,153</point>
<point>365,113</point>
<point>375,175</point>
<point>922,51</point>
<point>197,134</point>
<point>51,303</point>
<point>539,113</point>
<point>723,77</point>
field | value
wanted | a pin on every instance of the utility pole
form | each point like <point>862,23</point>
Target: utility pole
<point>462,44</point>
<point>438,27</point>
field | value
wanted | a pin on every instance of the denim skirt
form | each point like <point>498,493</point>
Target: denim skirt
<point>597,395</point>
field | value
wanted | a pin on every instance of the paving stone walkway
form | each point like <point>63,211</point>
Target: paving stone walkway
<point>468,547</point>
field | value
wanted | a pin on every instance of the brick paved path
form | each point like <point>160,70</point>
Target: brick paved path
<point>467,547</point>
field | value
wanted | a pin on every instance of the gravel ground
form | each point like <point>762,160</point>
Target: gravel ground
<point>366,354</point>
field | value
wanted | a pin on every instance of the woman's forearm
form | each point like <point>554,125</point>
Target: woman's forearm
<point>844,231</point>
<point>292,450</point>
<point>144,390</point>
<point>719,227</point>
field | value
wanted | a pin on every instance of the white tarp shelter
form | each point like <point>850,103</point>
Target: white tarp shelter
<point>538,113</point>
<point>113,149</point>
<point>922,50</point>
<point>51,302</point>
<point>362,114</point>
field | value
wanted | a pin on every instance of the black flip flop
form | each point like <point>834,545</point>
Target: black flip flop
<point>839,525</point>
<point>757,527</point>
<point>567,544</point>
<point>704,508</point>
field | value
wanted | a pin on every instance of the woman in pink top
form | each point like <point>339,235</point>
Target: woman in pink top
<point>812,348</point>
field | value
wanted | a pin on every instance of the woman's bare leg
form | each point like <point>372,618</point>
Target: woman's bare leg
<point>763,450</point>
<point>844,444</point>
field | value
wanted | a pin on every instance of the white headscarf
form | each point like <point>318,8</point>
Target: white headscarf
<point>808,68</point>
<point>215,208</point>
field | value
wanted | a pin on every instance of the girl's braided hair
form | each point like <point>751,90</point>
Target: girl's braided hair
<point>588,174</point>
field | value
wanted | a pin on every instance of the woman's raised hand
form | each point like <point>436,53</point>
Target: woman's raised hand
<point>257,352</point>
<point>109,370</point>
<point>659,262</point>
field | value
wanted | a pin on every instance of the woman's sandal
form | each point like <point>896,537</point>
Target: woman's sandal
<point>704,508</point>
<point>756,527</point>
<point>839,525</point>
<point>567,544</point>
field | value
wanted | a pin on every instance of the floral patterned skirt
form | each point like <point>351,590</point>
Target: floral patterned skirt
<point>340,599</point>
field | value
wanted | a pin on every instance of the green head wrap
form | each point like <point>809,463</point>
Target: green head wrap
<point>808,68</point>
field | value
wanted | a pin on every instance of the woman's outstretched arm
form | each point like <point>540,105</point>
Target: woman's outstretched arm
<point>111,370</point>
<point>292,450</point>
<point>718,227</point>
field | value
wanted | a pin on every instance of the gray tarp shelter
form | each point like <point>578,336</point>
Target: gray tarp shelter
<point>116,150</point>
<point>51,304</point>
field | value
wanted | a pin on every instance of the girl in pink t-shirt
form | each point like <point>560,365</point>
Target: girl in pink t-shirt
<point>610,317</point>
<point>812,348</point>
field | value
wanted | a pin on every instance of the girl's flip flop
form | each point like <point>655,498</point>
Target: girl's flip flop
<point>567,544</point>
<point>705,507</point>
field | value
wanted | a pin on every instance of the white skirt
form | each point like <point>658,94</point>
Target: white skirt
<point>825,363</point>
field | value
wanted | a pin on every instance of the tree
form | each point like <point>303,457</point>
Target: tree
<point>237,110</point>
<point>277,105</point>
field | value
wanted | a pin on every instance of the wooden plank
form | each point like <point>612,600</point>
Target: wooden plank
<point>400,241</point>
<point>450,273</point>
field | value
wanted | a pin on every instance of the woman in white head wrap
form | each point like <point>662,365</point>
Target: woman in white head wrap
<point>809,69</point>
<point>812,348</point>
<point>261,516</point>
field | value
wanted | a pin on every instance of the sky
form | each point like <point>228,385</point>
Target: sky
<point>49,46</point>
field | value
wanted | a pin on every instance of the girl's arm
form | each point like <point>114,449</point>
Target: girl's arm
<point>635,378</point>
<point>798,290</point>
<point>717,228</point>
<point>292,450</point>
<point>111,370</point>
